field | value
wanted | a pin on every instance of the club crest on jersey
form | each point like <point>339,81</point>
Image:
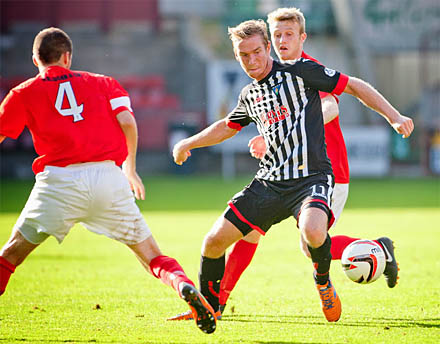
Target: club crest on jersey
<point>276,89</point>
<point>330,72</point>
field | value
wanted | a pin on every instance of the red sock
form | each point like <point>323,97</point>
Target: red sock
<point>237,261</point>
<point>169,271</point>
<point>6,269</point>
<point>339,243</point>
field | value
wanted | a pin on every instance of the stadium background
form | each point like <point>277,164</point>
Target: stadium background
<point>175,59</point>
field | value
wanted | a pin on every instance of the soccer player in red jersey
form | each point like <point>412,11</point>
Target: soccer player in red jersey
<point>295,176</point>
<point>83,129</point>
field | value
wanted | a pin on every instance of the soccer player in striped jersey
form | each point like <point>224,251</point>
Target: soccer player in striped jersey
<point>287,28</point>
<point>295,176</point>
<point>83,129</point>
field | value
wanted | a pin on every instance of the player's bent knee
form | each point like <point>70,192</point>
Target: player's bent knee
<point>314,236</point>
<point>213,246</point>
<point>19,246</point>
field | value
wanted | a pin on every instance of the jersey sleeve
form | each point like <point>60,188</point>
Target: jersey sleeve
<point>322,95</point>
<point>238,117</point>
<point>118,97</point>
<point>12,115</point>
<point>322,78</point>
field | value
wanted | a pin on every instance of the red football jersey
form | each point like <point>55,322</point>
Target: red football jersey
<point>71,116</point>
<point>336,149</point>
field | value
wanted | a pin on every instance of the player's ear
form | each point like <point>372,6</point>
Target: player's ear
<point>236,55</point>
<point>35,61</point>
<point>268,47</point>
<point>66,59</point>
<point>303,37</point>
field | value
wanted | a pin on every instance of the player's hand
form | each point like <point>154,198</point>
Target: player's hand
<point>135,182</point>
<point>257,147</point>
<point>180,153</point>
<point>404,126</point>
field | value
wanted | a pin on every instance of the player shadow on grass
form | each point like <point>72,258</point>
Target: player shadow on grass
<point>318,320</point>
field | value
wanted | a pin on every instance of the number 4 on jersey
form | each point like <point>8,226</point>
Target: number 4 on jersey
<point>74,110</point>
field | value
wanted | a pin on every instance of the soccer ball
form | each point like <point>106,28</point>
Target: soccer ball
<point>363,261</point>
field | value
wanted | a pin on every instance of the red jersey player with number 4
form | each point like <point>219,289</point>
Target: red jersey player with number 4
<point>83,129</point>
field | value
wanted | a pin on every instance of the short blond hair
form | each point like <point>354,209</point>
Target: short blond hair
<point>247,29</point>
<point>292,13</point>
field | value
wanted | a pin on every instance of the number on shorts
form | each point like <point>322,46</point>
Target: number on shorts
<point>74,110</point>
<point>321,193</point>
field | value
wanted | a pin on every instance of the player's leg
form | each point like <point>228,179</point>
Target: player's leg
<point>169,271</point>
<point>116,215</point>
<point>212,265</point>
<point>313,225</point>
<point>237,261</point>
<point>256,207</point>
<point>44,214</point>
<point>13,253</point>
<point>339,198</point>
<point>340,242</point>
<point>160,266</point>
<point>252,210</point>
<point>314,218</point>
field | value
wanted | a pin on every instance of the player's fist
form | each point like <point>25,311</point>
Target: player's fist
<point>257,147</point>
<point>180,153</point>
<point>404,126</point>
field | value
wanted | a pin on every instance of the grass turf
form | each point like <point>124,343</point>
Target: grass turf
<point>91,289</point>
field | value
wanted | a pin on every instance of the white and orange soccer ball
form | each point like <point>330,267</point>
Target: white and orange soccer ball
<point>363,261</point>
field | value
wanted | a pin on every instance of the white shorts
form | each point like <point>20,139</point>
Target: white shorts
<point>339,197</point>
<point>95,194</point>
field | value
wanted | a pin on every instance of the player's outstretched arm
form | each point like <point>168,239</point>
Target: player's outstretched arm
<point>212,135</point>
<point>129,128</point>
<point>371,98</point>
<point>2,138</point>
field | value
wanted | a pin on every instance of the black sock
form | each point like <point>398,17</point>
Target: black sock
<point>321,258</point>
<point>210,276</point>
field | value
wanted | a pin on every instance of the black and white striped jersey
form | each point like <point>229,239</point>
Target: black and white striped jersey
<point>286,108</point>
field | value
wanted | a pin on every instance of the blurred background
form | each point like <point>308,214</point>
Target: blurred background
<point>175,59</point>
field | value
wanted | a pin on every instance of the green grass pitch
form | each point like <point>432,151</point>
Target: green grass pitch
<point>91,289</point>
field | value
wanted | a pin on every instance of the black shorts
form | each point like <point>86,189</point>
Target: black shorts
<point>264,203</point>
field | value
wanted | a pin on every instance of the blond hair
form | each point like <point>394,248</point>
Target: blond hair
<point>247,29</point>
<point>291,13</point>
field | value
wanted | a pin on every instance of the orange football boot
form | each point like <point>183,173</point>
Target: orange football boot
<point>331,304</point>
